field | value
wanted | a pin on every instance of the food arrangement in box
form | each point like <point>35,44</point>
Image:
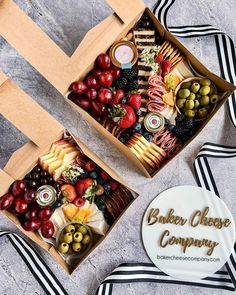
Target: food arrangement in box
<point>143,91</point>
<point>68,199</point>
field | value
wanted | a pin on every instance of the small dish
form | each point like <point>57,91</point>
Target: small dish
<point>190,79</point>
<point>72,254</point>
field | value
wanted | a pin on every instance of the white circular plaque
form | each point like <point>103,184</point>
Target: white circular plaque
<point>188,232</point>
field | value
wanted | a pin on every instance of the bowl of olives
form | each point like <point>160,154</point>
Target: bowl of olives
<point>74,239</point>
<point>196,97</point>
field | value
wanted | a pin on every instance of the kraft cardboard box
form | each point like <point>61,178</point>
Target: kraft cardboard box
<point>61,70</point>
<point>42,130</point>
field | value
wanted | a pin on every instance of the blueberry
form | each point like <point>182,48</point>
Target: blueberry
<point>140,131</point>
<point>101,181</point>
<point>102,207</point>
<point>124,100</point>
<point>138,112</point>
<point>93,175</point>
<point>137,126</point>
<point>99,200</point>
<point>148,136</point>
<point>107,187</point>
<point>57,204</point>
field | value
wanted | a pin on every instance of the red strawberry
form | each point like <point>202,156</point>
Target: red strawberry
<point>135,100</point>
<point>123,114</point>
<point>114,184</point>
<point>68,191</point>
<point>159,58</point>
<point>104,175</point>
<point>90,166</point>
<point>118,95</point>
<point>82,185</point>
<point>165,66</point>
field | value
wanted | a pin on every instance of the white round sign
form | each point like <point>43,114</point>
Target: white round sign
<point>188,232</point>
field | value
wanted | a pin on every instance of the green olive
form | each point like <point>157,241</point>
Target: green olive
<point>192,96</point>
<point>82,229</point>
<point>214,98</point>
<point>205,100</point>
<point>212,90</point>
<point>63,248</point>
<point>202,113</point>
<point>189,104</point>
<point>68,238</point>
<point>204,90</point>
<point>196,104</point>
<point>195,87</point>
<point>76,246</point>
<point>186,85</point>
<point>70,228</point>
<point>78,237</point>
<point>180,103</point>
<point>189,113</point>
<point>86,240</point>
<point>205,82</point>
<point>183,93</point>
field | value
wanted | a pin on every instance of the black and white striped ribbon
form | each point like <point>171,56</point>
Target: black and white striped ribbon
<point>147,272</point>
<point>36,265</point>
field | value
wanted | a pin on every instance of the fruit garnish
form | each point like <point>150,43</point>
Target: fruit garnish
<point>106,79</point>
<point>104,61</point>
<point>168,98</point>
<point>105,175</point>
<point>123,115</point>
<point>159,58</point>
<point>68,192</point>
<point>105,95</point>
<point>92,82</point>
<point>83,102</point>
<point>79,202</point>
<point>165,66</point>
<point>90,166</point>
<point>82,185</point>
<point>79,87</point>
<point>135,100</point>
<point>6,201</point>
<point>118,94</point>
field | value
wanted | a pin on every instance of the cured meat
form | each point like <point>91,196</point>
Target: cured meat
<point>166,140</point>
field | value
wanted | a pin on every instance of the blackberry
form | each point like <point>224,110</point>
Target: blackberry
<point>132,85</point>
<point>188,123</point>
<point>179,118</point>
<point>137,126</point>
<point>130,73</point>
<point>179,131</point>
<point>121,83</point>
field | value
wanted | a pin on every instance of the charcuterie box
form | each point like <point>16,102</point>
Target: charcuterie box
<point>53,188</point>
<point>129,77</point>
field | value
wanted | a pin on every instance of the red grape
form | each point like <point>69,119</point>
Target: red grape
<point>47,229</point>
<point>18,188</point>
<point>21,206</point>
<point>79,87</point>
<point>92,82</point>
<point>31,225</point>
<point>83,102</point>
<point>30,196</point>
<point>45,213</point>
<point>104,61</point>
<point>6,201</point>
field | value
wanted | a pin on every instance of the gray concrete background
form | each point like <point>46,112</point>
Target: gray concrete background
<point>66,22</point>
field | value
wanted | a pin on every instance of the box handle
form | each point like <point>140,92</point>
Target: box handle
<point>33,44</point>
<point>126,10</point>
<point>25,114</point>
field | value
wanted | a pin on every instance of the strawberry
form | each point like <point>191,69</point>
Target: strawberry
<point>82,185</point>
<point>68,191</point>
<point>135,100</point>
<point>104,175</point>
<point>118,94</point>
<point>165,66</point>
<point>159,58</point>
<point>123,114</point>
<point>90,166</point>
<point>114,184</point>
